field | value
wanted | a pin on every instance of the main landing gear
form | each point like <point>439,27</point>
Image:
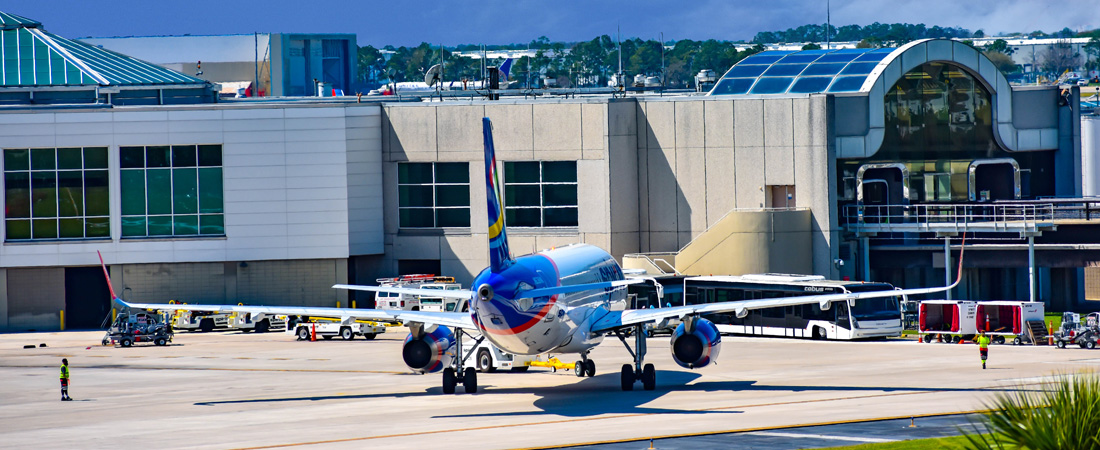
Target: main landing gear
<point>469,374</point>
<point>631,374</point>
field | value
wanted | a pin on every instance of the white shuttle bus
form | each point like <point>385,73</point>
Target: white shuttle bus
<point>869,318</point>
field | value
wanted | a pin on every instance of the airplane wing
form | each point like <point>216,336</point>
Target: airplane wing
<point>451,319</point>
<point>619,319</point>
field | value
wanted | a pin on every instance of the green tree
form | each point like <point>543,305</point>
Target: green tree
<point>811,46</point>
<point>1003,62</point>
<point>369,61</point>
<point>979,34</point>
<point>1092,52</point>
<point>1000,46</point>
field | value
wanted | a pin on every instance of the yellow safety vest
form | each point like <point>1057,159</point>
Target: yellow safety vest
<point>64,372</point>
<point>983,342</point>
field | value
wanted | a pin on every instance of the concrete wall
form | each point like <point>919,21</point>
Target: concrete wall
<point>744,242</point>
<point>286,180</point>
<point>654,173</point>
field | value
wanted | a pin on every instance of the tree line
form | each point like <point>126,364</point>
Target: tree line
<point>592,63</point>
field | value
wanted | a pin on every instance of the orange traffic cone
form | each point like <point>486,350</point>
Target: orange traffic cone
<point>313,332</point>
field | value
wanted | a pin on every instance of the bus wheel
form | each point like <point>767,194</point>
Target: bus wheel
<point>820,333</point>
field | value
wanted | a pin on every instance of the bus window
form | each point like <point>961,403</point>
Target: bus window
<point>877,309</point>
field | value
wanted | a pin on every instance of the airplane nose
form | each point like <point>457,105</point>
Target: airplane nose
<point>485,292</point>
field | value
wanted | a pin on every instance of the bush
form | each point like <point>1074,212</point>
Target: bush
<point>1062,415</point>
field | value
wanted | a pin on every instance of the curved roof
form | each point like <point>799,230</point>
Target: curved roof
<point>801,72</point>
<point>33,57</point>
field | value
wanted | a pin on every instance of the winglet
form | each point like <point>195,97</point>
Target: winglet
<point>499,256</point>
<point>107,276</point>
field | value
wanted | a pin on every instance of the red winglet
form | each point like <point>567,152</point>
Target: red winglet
<point>107,276</point>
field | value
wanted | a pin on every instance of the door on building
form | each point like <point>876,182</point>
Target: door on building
<point>995,179</point>
<point>87,298</point>
<point>883,189</point>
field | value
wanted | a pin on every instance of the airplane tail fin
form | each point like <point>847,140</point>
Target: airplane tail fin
<point>107,276</point>
<point>505,68</point>
<point>499,256</point>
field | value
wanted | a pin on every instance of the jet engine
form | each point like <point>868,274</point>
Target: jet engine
<point>433,350</point>
<point>695,343</point>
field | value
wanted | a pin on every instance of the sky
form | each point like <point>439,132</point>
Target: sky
<point>450,23</point>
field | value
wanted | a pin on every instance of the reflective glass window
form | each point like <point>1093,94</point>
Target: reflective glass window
<point>939,109</point>
<point>730,86</point>
<point>873,56</point>
<point>838,57</point>
<point>772,85</point>
<point>859,68</point>
<point>784,70</point>
<point>746,70</point>
<point>56,193</point>
<point>801,57</point>
<point>540,193</point>
<point>171,191</point>
<point>763,58</point>
<point>847,84</point>
<point>433,195</point>
<point>807,85</point>
<point>823,69</point>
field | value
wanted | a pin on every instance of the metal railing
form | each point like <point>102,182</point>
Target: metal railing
<point>1008,217</point>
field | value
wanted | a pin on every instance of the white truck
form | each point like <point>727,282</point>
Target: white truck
<point>488,358</point>
<point>258,322</point>
<point>392,300</point>
<point>347,329</point>
<point>205,321</point>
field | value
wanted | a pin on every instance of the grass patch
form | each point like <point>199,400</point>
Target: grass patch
<point>1055,317</point>
<point>948,443</point>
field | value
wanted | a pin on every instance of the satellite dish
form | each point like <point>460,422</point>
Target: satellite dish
<point>433,75</point>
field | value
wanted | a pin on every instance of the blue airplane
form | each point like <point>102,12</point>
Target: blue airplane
<point>563,300</point>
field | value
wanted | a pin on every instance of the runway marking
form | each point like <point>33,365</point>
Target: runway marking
<point>820,436</point>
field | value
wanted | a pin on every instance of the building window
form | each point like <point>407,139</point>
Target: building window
<point>56,193</point>
<point>172,191</point>
<point>433,195</point>
<point>540,194</point>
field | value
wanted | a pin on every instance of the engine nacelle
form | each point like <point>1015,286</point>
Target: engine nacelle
<point>431,352</point>
<point>697,348</point>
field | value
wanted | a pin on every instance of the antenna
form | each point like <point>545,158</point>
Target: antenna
<point>828,23</point>
<point>433,75</point>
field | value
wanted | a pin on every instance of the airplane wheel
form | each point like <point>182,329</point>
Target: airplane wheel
<point>346,334</point>
<point>628,377</point>
<point>578,368</point>
<point>649,377</point>
<point>590,367</point>
<point>449,381</point>
<point>485,361</point>
<point>469,382</point>
<point>303,334</point>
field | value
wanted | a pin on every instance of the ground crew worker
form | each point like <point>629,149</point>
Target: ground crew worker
<point>65,380</point>
<point>983,346</point>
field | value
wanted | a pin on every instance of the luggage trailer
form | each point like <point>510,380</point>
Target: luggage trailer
<point>1000,319</point>
<point>949,320</point>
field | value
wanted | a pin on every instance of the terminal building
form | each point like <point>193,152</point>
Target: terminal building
<point>797,162</point>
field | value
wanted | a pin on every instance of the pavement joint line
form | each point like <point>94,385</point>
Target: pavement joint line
<point>820,436</point>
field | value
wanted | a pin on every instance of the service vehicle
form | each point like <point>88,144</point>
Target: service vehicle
<point>948,320</point>
<point>347,329</point>
<point>258,322</point>
<point>409,302</point>
<point>1001,319</point>
<point>857,319</point>
<point>205,321</point>
<point>1075,332</point>
<point>129,329</point>
<point>490,358</point>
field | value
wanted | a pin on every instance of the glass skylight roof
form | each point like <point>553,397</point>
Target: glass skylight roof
<point>801,72</point>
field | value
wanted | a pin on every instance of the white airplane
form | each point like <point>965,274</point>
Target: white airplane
<point>409,87</point>
<point>563,300</point>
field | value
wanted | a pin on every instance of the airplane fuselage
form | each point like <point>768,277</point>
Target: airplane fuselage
<point>529,326</point>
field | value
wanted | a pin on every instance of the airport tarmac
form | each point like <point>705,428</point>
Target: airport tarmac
<point>234,390</point>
